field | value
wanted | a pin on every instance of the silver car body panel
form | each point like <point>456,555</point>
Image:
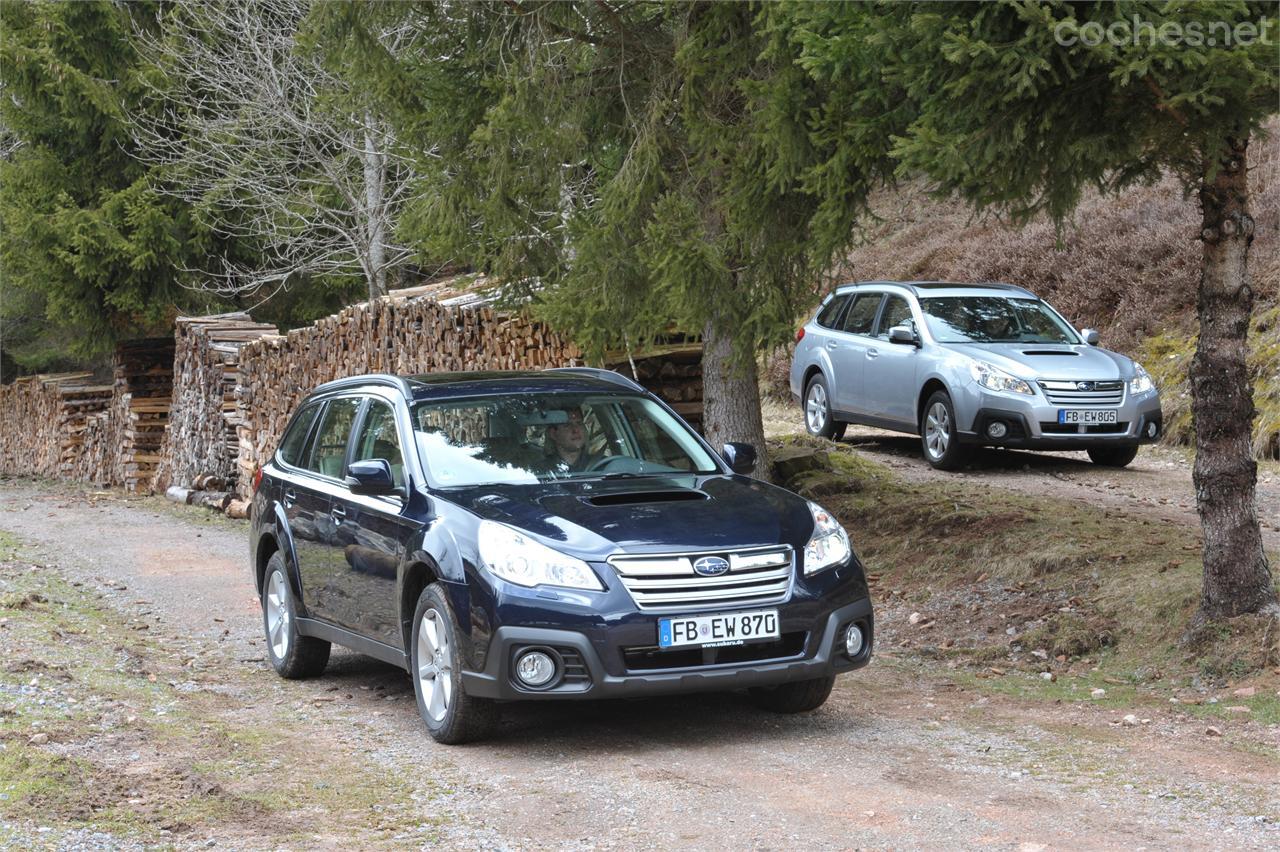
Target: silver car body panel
<point>878,383</point>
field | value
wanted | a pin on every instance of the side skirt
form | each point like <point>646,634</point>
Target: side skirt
<point>354,641</point>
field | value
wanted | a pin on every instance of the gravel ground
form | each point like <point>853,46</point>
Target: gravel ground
<point>901,756</point>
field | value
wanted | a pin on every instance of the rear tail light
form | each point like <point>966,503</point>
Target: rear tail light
<point>799,334</point>
<point>257,479</point>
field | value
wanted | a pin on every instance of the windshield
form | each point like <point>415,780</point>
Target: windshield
<point>994,319</point>
<point>534,438</point>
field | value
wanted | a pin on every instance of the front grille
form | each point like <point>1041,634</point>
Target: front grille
<point>1093,393</point>
<point>667,581</point>
<point>651,657</point>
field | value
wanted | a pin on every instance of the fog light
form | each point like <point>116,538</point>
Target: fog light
<point>997,429</point>
<point>1152,429</point>
<point>853,641</point>
<point>535,668</point>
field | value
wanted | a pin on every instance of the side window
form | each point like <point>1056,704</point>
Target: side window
<point>831,311</point>
<point>294,440</point>
<point>861,314</point>
<point>330,444</point>
<point>896,312</point>
<point>379,440</point>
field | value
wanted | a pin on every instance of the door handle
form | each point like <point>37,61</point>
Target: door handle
<point>873,353</point>
<point>831,344</point>
<point>290,497</point>
<point>338,513</point>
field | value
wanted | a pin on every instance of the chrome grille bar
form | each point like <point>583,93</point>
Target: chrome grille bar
<point>667,581</point>
<point>1099,393</point>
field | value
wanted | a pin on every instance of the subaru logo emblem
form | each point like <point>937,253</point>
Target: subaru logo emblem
<point>1084,386</point>
<point>711,566</point>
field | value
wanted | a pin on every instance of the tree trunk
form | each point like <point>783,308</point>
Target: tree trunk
<point>375,172</point>
<point>1236,576</point>
<point>731,394</point>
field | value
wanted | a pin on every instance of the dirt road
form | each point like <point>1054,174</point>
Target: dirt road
<point>902,756</point>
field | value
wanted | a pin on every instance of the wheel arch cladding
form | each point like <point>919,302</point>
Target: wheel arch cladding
<point>813,370</point>
<point>267,547</point>
<point>930,388</point>
<point>417,576</point>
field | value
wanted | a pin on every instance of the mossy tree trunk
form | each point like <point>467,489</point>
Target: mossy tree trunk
<point>1237,578</point>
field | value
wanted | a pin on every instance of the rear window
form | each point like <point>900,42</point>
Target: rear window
<point>294,441</point>
<point>861,314</point>
<point>831,311</point>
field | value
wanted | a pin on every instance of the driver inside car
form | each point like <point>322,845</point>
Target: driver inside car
<point>566,443</point>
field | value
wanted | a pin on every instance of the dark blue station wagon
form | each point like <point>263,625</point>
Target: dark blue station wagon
<point>544,535</point>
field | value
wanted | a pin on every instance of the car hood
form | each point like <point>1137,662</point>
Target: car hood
<point>1053,361</point>
<point>594,519</point>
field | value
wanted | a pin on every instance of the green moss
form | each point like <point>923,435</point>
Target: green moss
<point>1168,358</point>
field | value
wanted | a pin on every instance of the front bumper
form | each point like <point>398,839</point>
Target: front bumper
<point>610,653</point>
<point>1032,424</point>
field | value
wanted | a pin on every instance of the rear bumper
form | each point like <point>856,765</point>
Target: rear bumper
<point>822,655</point>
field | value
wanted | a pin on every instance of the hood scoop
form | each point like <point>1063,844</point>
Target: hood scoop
<point>1049,352</point>
<point>633,498</point>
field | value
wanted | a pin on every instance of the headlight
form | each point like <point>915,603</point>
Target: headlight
<point>993,378</point>
<point>829,544</point>
<point>1141,381</point>
<point>519,559</point>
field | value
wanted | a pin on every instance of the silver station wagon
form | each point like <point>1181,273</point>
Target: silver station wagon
<point>966,365</point>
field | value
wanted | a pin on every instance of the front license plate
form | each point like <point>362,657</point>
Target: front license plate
<point>1087,415</point>
<point>713,630</point>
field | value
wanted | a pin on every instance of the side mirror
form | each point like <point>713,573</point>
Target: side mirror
<point>1090,336</point>
<point>371,477</point>
<point>902,334</point>
<point>740,457</point>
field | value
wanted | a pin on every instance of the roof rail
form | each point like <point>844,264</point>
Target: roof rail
<point>384,379</point>
<point>604,375</point>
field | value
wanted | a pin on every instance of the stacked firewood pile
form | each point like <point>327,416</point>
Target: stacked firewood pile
<point>121,445</point>
<point>407,332</point>
<point>199,445</point>
<point>672,369</point>
<point>43,421</point>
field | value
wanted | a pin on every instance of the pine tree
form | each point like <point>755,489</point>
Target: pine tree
<point>632,169</point>
<point>88,243</point>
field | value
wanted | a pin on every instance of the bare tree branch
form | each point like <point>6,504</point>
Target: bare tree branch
<point>271,147</point>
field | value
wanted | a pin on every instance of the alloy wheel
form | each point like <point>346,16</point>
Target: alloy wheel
<point>815,409</point>
<point>435,665</point>
<point>278,616</point>
<point>937,430</point>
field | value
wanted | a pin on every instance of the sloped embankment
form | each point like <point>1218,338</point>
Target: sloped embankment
<point>998,581</point>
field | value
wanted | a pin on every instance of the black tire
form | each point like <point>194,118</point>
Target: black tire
<point>800,696</point>
<point>464,718</point>
<point>292,655</point>
<point>938,418</point>
<point>816,408</point>
<point>1113,456</point>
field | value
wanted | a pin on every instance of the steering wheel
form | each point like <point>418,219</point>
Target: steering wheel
<point>602,464</point>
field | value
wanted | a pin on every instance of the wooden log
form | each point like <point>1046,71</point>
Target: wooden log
<point>178,494</point>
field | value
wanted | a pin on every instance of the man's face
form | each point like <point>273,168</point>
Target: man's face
<point>568,437</point>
